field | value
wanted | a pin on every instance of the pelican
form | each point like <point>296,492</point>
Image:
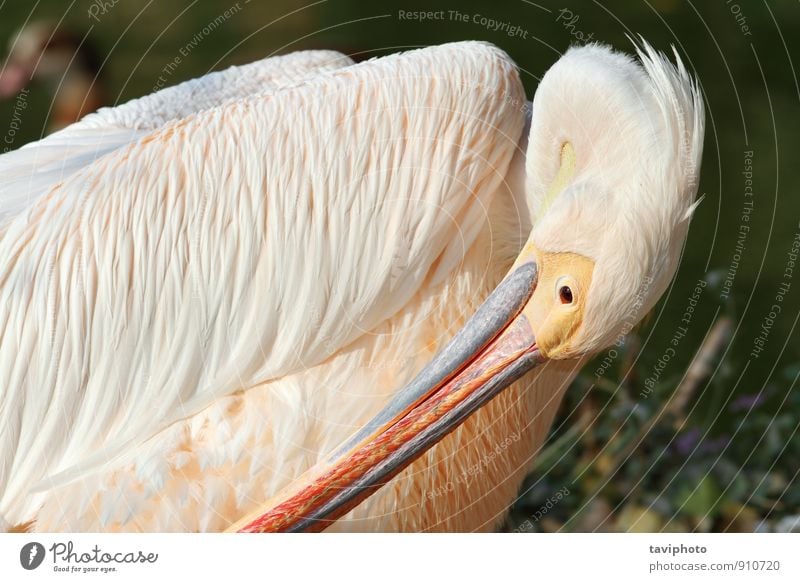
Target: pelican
<point>307,293</point>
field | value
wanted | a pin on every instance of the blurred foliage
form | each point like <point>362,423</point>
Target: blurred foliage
<point>712,450</point>
<point>634,464</point>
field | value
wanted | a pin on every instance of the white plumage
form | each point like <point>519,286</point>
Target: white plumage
<point>224,280</point>
<point>35,168</point>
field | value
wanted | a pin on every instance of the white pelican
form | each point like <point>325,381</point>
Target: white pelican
<point>206,293</point>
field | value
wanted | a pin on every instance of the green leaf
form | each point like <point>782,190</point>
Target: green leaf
<point>702,500</point>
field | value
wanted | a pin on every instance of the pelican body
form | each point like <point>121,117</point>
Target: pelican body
<point>222,304</point>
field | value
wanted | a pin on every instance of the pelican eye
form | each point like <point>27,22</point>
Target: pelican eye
<point>565,294</point>
<point>565,290</point>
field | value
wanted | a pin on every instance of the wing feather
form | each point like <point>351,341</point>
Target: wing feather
<point>238,245</point>
<point>34,169</point>
<point>211,90</point>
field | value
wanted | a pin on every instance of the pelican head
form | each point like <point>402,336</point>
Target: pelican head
<point>611,171</point>
<point>610,181</point>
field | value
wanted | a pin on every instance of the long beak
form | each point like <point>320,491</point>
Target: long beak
<point>494,348</point>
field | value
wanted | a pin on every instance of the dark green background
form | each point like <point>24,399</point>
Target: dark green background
<point>753,100</point>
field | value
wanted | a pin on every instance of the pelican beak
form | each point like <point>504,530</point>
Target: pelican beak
<point>493,349</point>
